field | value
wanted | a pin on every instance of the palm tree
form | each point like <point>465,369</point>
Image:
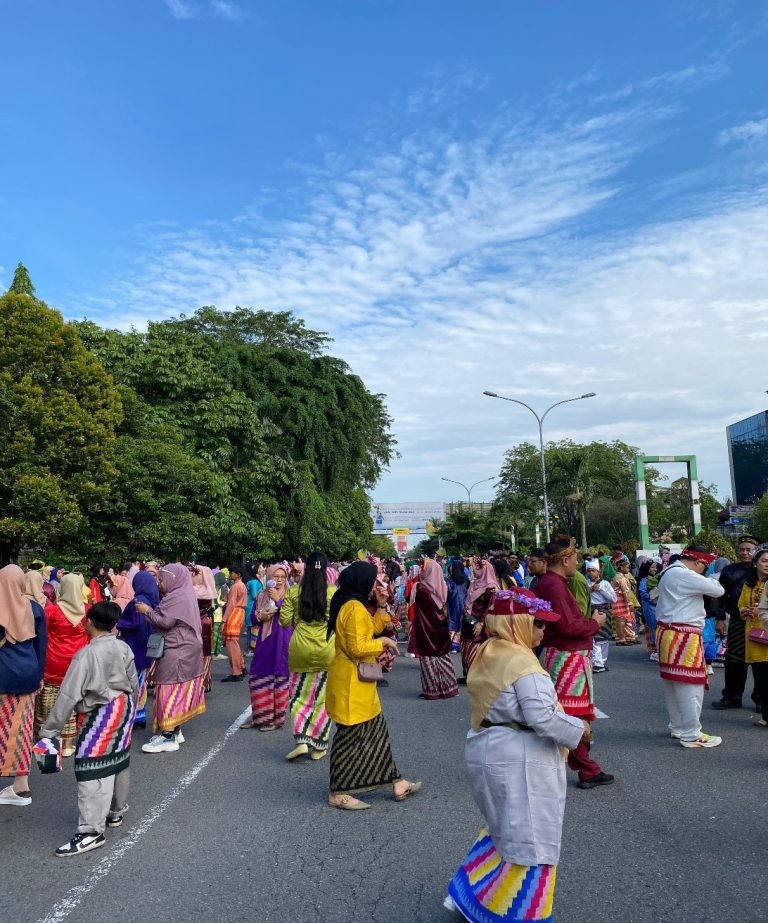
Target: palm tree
<point>581,473</point>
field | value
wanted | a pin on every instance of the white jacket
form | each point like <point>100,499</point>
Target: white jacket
<point>681,595</point>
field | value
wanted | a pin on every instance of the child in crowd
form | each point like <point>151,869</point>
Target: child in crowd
<point>602,597</point>
<point>101,686</point>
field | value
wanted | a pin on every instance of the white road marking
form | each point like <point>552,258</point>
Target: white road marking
<point>74,896</point>
<point>600,714</point>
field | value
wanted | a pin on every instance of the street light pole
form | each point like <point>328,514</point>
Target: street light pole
<point>540,420</point>
<point>469,493</point>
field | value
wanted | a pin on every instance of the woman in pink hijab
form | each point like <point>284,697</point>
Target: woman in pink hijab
<point>430,637</point>
<point>484,586</point>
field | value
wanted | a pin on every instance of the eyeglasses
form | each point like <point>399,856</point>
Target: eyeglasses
<point>539,623</point>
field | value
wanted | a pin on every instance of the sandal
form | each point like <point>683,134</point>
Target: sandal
<point>266,727</point>
<point>413,788</point>
<point>345,804</point>
<point>246,725</point>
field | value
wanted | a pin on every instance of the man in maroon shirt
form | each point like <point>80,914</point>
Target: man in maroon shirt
<point>567,652</point>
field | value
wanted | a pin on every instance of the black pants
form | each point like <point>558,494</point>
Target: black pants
<point>760,672</point>
<point>736,680</point>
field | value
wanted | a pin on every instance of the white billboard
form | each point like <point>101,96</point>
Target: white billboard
<point>412,516</point>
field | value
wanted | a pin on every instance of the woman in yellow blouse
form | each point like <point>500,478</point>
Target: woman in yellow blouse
<point>361,757</point>
<point>752,608</point>
<point>310,652</point>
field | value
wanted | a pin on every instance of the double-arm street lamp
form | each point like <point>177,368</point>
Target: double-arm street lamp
<point>540,420</point>
<point>469,492</point>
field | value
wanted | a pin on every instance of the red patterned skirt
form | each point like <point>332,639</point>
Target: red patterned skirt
<point>17,716</point>
<point>571,672</point>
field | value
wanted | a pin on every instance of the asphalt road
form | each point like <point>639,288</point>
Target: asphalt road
<point>226,830</point>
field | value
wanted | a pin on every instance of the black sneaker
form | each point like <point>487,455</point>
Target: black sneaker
<point>605,778</point>
<point>725,703</point>
<point>232,679</point>
<point>80,843</point>
<point>382,682</point>
<point>117,820</point>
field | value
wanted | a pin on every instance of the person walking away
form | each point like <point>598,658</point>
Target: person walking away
<point>567,653</point>
<point>736,668</point>
<point>680,618</point>
<point>310,653</point>
<point>515,769</point>
<point>65,629</point>
<point>102,686</point>
<point>232,624</point>
<point>361,755</point>
<point>430,637</point>
<point>753,609</point>
<point>134,630</point>
<point>480,595</point>
<point>268,680</point>
<point>178,673</point>
<point>648,596</point>
<point>457,584</point>
<point>602,597</point>
<point>23,643</point>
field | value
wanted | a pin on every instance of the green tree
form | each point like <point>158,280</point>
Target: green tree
<point>380,545</point>
<point>22,283</point>
<point>759,524</point>
<point>57,459</point>
<point>715,543</point>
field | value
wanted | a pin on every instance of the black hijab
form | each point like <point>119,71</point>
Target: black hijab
<point>456,572</point>
<point>355,582</point>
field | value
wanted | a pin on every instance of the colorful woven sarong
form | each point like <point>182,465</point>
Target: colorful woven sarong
<point>681,654</point>
<point>486,889</point>
<point>177,703</point>
<point>141,703</point>
<point>571,672</point>
<point>438,679</point>
<point>269,699</point>
<point>361,757</point>
<point>104,739</point>
<point>217,642</point>
<point>17,717</point>
<point>311,724</point>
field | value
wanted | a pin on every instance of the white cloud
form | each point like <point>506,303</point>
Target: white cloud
<point>181,9</point>
<point>227,10</point>
<point>748,131</point>
<point>445,265</point>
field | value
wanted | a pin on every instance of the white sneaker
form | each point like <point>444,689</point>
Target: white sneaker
<point>80,843</point>
<point>450,904</point>
<point>675,735</point>
<point>654,657</point>
<point>9,796</point>
<point>179,737</point>
<point>710,671</point>
<point>705,740</point>
<point>160,744</point>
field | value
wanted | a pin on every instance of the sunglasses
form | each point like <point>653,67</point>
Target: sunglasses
<point>539,623</point>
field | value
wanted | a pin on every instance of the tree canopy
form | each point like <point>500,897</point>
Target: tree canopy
<point>214,434</point>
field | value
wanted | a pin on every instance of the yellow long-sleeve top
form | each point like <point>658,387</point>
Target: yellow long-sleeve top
<point>310,650</point>
<point>348,700</point>
<point>750,599</point>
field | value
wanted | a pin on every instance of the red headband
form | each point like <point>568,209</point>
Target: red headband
<point>701,556</point>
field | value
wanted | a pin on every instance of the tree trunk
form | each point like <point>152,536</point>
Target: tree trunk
<point>583,523</point>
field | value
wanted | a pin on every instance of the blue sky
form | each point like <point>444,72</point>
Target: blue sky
<point>536,198</point>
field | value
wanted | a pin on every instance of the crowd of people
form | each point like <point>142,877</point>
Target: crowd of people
<point>79,660</point>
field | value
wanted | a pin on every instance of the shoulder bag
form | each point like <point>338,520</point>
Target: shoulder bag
<point>155,645</point>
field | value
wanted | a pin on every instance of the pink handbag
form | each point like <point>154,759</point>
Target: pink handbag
<point>758,635</point>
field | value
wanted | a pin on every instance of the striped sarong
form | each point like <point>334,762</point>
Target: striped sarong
<point>104,739</point>
<point>141,702</point>
<point>17,717</point>
<point>571,672</point>
<point>177,703</point>
<point>311,724</point>
<point>269,699</point>
<point>438,679</point>
<point>361,757</point>
<point>46,699</point>
<point>488,889</point>
<point>681,653</point>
